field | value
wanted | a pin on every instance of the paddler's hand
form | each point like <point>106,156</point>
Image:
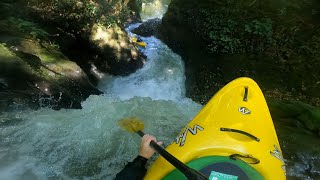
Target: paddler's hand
<point>145,149</point>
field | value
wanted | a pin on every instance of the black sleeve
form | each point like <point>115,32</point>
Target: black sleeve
<point>134,170</point>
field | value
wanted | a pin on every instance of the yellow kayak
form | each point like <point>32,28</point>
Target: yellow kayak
<point>233,137</point>
<point>139,43</point>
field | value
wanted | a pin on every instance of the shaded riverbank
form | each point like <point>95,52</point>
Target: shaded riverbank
<point>275,43</point>
<point>72,45</point>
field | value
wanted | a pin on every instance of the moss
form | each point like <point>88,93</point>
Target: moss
<point>287,109</point>
<point>22,28</point>
<point>10,61</point>
<point>5,52</point>
<point>307,115</point>
<point>311,119</point>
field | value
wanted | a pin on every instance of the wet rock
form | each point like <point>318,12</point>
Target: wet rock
<point>116,53</point>
<point>295,127</point>
<point>81,29</point>
<point>89,33</point>
<point>296,114</point>
<point>148,28</point>
<point>311,119</point>
<point>40,75</point>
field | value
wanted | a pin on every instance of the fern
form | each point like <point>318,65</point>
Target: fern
<point>18,26</point>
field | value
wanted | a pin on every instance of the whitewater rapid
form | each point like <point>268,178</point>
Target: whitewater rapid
<point>87,143</point>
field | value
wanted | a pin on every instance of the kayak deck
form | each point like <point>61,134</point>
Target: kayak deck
<point>220,164</point>
<point>236,122</point>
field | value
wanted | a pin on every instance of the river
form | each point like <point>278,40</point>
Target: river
<point>88,144</point>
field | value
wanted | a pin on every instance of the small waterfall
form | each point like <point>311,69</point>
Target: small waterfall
<point>87,143</point>
<point>162,77</point>
<point>154,8</point>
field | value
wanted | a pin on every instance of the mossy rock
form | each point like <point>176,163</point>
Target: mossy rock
<point>293,112</point>
<point>37,70</point>
<point>311,119</point>
<point>288,109</point>
<point>120,56</point>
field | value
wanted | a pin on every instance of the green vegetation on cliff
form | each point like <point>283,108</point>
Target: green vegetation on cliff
<point>242,26</point>
<point>78,15</point>
<point>274,42</point>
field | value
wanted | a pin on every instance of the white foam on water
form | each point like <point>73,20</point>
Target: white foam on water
<point>162,77</point>
<point>87,143</point>
<point>154,9</point>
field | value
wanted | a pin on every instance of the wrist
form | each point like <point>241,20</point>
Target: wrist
<point>144,156</point>
<point>139,161</point>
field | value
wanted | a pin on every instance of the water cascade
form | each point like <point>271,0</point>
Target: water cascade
<point>87,143</point>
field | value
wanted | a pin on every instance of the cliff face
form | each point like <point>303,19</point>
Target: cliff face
<point>274,42</point>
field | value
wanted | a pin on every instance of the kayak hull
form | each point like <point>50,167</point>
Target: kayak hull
<point>141,43</point>
<point>235,123</point>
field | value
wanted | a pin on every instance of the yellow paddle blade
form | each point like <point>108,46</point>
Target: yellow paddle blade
<point>131,124</point>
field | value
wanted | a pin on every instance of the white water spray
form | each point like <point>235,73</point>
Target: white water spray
<point>87,143</point>
<point>154,9</point>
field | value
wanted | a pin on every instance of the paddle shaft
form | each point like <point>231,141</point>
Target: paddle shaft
<point>187,171</point>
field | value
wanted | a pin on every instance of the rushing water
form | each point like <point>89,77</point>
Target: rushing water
<point>153,8</point>
<point>87,143</point>
<point>83,143</point>
<point>162,77</point>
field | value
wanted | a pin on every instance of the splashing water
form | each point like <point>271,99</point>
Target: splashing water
<point>161,78</point>
<point>83,143</point>
<point>87,143</point>
<point>154,9</point>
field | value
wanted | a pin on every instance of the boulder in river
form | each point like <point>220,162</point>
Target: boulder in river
<point>116,54</point>
<point>148,28</point>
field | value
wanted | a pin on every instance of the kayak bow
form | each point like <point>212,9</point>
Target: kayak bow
<point>232,136</point>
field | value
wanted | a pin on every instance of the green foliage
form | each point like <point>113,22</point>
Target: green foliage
<point>78,16</point>
<point>223,43</point>
<point>226,33</point>
<point>261,28</point>
<point>258,35</point>
<point>230,27</point>
<point>221,36</point>
<point>72,14</point>
<point>18,26</point>
<point>217,32</point>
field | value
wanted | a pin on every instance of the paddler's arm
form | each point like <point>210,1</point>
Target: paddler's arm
<point>136,169</point>
<point>133,170</point>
